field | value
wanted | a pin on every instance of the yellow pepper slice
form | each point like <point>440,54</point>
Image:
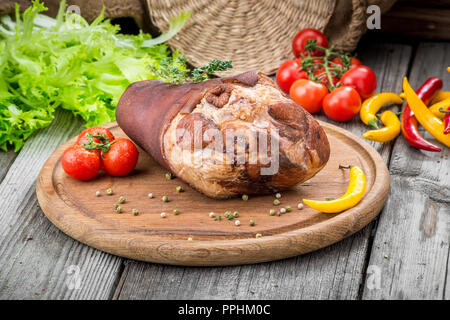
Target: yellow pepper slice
<point>425,117</point>
<point>354,193</point>
<point>439,96</point>
<point>371,106</point>
<point>444,104</point>
<point>389,132</point>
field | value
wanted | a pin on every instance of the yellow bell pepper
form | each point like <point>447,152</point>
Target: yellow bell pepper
<point>439,96</point>
<point>389,132</point>
<point>371,106</point>
<point>444,104</point>
<point>354,193</point>
<point>425,117</point>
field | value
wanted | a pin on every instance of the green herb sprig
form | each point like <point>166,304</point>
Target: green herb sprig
<point>174,71</point>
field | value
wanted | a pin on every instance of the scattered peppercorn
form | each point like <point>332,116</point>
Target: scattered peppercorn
<point>115,206</point>
<point>276,202</point>
<point>176,212</point>
<point>278,195</point>
<point>135,212</point>
<point>179,189</point>
<point>235,214</point>
<point>282,210</point>
<point>288,208</point>
<point>97,194</point>
<point>237,223</point>
<point>300,206</point>
<point>163,214</point>
<point>244,197</point>
<point>211,214</point>
<point>122,200</point>
<point>165,199</point>
<point>189,239</point>
<point>272,212</point>
<point>109,191</point>
<point>252,222</point>
<point>119,209</point>
<point>168,176</point>
<point>150,195</point>
<point>258,235</point>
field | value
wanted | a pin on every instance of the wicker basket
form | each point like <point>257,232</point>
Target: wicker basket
<point>257,34</point>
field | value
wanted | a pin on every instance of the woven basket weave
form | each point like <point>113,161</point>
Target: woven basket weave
<point>257,34</point>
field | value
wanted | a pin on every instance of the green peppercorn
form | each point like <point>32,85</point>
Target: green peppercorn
<point>244,197</point>
<point>227,214</point>
<point>119,209</point>
<point>165,199</point>
<point>135,212</point>
<point>258,235</point>
<point>288,208</point>
<point>109,191</point>
<point>276,202</point>
<point>272,212</point>
<point>168,176</point>
<point>179,189</point>
<point>115,206</point>
<point>176,212</point>
<point>235,214</point>
<point>252,222</point>
<point>122,200</point>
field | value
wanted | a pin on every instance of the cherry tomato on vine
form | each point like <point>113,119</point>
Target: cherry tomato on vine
<point>354,62</point>
<point>121,158</point>
<point>322,77</point>
<point>308,94</point>
<point>363,79</point>
<point>82,137</point>
<point>80,163</point>
<point>342,104</point>
<point>288,73</point>
<point>301,39</point>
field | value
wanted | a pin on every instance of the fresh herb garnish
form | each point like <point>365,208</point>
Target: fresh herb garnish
<point>175,71</point>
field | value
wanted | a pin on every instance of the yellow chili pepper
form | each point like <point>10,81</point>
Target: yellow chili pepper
<point>425,117</point>
<point>371,106</point>
<point>354,193</point>
<point>444,104</point>
<point>439,96</point>
<point>390,131</point>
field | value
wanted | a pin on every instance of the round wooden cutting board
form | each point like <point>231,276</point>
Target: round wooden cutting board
<point>74,208</point>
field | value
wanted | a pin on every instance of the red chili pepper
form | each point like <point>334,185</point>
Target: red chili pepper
<point>410,128</point>
<point>447,123</point>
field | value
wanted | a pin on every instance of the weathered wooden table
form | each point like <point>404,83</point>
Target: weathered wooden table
<point>404,254</point>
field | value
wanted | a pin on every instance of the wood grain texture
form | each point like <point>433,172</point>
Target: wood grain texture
<point>6,159</point>
<point>73,207</point>
<point>411,246</point>
<point>335,272</point>
<point>35,257</point>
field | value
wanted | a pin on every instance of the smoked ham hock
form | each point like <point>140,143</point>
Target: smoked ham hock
<point>225,136</point>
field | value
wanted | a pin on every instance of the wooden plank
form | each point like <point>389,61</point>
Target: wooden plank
<point>6,160</point>
<point>36,259</point>
<point>418,21</point>
<point>335,272</point>
<point>411,246</point>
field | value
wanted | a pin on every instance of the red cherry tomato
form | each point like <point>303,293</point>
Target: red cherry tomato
<point>342,104</point>
<point>82,137</point>
<point>121,157</point>
<point>353,63</point>
<point>301,39</point>
<point>363,79</point>
<point>308,94</point>
<point>289,72</point>
<point>322,77</point>
<point>80,163</point>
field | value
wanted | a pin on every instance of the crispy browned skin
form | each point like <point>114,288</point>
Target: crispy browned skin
<point>161,118</point>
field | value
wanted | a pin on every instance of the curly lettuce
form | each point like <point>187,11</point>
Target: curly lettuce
<point>66,62</point>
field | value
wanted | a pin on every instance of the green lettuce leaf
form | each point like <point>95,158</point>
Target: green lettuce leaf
<point>66,62</point>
